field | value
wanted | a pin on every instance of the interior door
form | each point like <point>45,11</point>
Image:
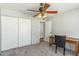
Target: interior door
<point>24,32</point>
<point>9,32</point>
<point>42,29</point>
<point>48,30</point>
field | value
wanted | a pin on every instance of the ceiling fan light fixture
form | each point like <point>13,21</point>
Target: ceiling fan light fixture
<point>45,15</point>
<point>42,15</point>
<point>39,15</point>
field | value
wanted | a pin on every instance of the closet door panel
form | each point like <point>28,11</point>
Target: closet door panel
<point>9,29</point>
<point>35,31</point>
<point>24,32</point>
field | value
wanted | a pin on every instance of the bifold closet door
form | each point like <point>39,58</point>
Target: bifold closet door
<point>9,32</point>
<point>24,32</point>
<point>35,31</point>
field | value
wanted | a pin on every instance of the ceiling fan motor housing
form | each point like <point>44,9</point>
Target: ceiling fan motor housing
<point>41,4</point>
<point>41,9</point>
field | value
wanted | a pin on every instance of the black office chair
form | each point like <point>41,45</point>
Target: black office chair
<point>60,42</point>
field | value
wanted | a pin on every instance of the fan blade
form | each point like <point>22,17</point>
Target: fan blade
<point>36,14</point>
<point>32,10</point>
<point>46,5</point>
<point>51,12</point>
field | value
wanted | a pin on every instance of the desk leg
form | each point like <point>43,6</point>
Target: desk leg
<point>76,48</point>
<point>50,41</point>
<point>50,44</point>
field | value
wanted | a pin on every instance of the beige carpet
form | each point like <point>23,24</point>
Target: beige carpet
<point>41,49</point>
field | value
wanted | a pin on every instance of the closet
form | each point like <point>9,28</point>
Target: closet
<point>24,32</point>
<point>18,32</point>
<point>15,32</point>
<point>9,32</point>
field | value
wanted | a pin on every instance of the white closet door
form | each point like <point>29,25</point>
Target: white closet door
<point>24,32</point>
<point>9,29</point>
<point>35,31</point>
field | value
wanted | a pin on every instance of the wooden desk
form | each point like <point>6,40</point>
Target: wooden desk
<point>70,40</point>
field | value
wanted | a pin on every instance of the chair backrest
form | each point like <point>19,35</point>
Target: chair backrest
<point>60,41</point>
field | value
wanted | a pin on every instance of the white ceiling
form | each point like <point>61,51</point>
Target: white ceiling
<point>22,7</point>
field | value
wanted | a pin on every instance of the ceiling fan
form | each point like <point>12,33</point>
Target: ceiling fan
<point>42,12</point>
